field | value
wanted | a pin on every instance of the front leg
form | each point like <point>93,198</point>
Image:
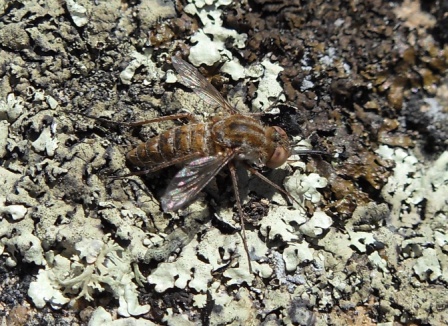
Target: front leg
<point>240,210</point>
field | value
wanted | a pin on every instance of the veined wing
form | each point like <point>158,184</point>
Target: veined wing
<point>189,181</point>
<point>193,79</point>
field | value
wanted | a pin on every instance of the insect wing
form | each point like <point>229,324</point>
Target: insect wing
<point>193,79</point>
<point>189,181</point>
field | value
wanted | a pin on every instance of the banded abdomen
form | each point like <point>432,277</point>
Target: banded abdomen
<point>173,144</point>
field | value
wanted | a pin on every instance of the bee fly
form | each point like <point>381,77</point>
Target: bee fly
<point>206,147</point>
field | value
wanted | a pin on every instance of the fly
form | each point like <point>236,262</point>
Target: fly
<point>207,147</point>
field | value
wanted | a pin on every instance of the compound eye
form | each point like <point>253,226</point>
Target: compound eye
<point>278,158</point>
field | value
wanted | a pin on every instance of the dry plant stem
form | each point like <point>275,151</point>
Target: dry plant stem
<point>240,211</point>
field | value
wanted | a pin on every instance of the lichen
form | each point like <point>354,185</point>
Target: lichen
<point>336,255</point>
<point>282,223</point>
<point>208,50</point>
<point>46,142</point>
<point>295,254</point>
<point>412,184</point>
<point>139,60</point>
<point>11,107</point>
<point>15,212</point>
<point>269,88</point>
<point>304,186</point>
<point>232,308</point>
<point>107,268</point>
<point>78,13</point>
<point>187,269</point>
<point>101,317</point>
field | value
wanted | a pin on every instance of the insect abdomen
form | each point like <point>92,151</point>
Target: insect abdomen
<point>172,144</point>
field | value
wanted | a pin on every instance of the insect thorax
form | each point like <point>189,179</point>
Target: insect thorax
<point>243,132</point>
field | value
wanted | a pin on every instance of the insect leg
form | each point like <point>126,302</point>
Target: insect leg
<point>187,116</point>
<point>240,210</point>
<point>310,152</point>
<point>269,182</point>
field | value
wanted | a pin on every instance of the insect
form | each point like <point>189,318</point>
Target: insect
<point>207,147</point>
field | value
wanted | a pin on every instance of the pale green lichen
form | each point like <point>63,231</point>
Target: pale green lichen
<point>4,126</point>
<point>234,69</point>
<point>78,13</point>
<point>43,289</point>
<point>187,269</point>
<point>101,317</point>
<point>411,185</point>
<point>141,59</point>
<point>361,240</point>
<point>232,308</point>
<point>316,225</point>
<point>27,245</point>
<point>269,88</point>
<point>174,319</point>
<point>47,141</point>
<point>11,107</point>
<point>427,267</point>
<point>379,262</point>
<point>305,186</point>
<point>338,244</point>
<point>240,273</point>
<point>110,269</point>
<point>213,241</point>
<point>297,253</point>
<point>17,241</point>
<point>160,248</point>
<point>282,223</point>
<point>208,50</point>
<point>205,51</point>
<point>15,212</point>
<point>200,300</point>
